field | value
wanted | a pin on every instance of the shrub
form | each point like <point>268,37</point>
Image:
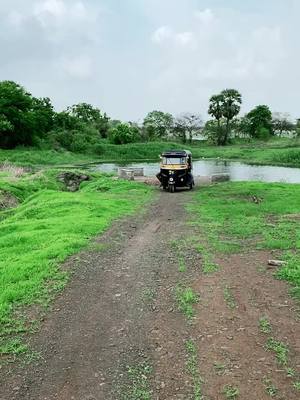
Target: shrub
<point>123,133</point>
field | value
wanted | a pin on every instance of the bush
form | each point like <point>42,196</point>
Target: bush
<point>123,133</point>
<point>263,133</point>
<point>83,138</point>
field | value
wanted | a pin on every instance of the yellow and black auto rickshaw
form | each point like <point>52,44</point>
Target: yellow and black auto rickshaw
<point>176,170</point>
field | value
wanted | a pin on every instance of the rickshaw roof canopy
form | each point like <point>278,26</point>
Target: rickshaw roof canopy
<point>176,153</point>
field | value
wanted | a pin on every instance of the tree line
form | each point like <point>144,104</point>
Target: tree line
<point>30,121</point>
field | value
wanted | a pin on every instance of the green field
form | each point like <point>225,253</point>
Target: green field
<point>284,152</point>
<point>49,225</point>
<point>239,216</point>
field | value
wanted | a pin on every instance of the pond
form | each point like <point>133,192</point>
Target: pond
<point>238,171</point>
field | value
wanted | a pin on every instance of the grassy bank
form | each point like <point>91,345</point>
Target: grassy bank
<point>246,215</point>
<point>49,225</point>
<point>285,152</point>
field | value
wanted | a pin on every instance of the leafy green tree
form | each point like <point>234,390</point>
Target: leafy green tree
<point>224,107</point>
<point>5,125</point>
<point>298,127</point>
<point>43,114</point>
<point>65,121</point>
<point>215,110</point>
<point>17,121</point>
<point>123,133</point>
<point>214,131</point>
<point>158,125</point>
<point>92,116</point>
<point>187,125</point>
<point>258,122</point>
<point>231,106</point>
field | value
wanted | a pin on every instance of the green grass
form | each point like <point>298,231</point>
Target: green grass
<point>208,265</point>
<point>48,226</point>
<point>270,388</point>
<point>231,392</point>
<point>229,298</point>
<point>219,368</point>
<point>264,325</point>
<point>192,367</point>
<point>138,387</point>
<point>13,346</point>
<point>296,385</point>
<point>227,212</point>
<point>182,265</point>
<point>186,298</point>
<point>277,151</point>
<point>280,349</point>
<point>32,156</point>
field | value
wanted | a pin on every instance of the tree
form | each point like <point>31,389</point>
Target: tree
<point>158,124</point>
<point>43,114</point>
<point>92,116</point>
<point>16,120</point>
<point>281,123</point>
<point>66,121</point>
<point>298,127</point>
<point>224,107</point>
<point>215,109</point>
<point>231,106</point>
<point>258,122</point>
<point>214,131</point>
<point>123,133</point>
<point>187,125</point>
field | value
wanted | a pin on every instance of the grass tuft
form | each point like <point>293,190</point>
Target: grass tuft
<point>264,325</point>
<point>186,298</point>
<point>138,387</point>
<point>229,298</point>
<point>280,349</point>
<point>192,367</point>
<point>231,392</point>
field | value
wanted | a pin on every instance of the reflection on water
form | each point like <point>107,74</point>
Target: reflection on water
<point>237,171</point>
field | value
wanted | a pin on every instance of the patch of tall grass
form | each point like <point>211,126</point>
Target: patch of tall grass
<point>50,225</point>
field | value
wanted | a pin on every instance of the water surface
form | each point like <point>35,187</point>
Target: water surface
<point>238,171</point>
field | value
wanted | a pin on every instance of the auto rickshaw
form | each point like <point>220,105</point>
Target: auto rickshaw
<point>176,170</point>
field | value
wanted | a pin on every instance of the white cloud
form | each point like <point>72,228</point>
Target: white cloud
<point>71,50</point>
<point>162,34</point>
<point>206,17</point>
<point>50,10</point>
<point>166,35</point>
<point>186,39</point>
<point>80,67</point>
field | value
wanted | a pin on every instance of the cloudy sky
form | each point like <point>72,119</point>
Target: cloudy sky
<point>129,57</point>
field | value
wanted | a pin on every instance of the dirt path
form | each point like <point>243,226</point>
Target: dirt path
<point>119,310</point>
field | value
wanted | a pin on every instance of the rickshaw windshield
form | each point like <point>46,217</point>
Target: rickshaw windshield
<point>174,160</point>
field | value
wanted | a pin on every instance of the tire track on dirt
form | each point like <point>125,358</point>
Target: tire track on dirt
<point>101,324</point>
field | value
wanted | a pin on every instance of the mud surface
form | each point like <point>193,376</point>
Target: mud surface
<point>119,310</point>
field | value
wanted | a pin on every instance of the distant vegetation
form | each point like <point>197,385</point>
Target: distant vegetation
<point>29,121</point>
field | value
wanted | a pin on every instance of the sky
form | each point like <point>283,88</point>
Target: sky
<point>129,57</point>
